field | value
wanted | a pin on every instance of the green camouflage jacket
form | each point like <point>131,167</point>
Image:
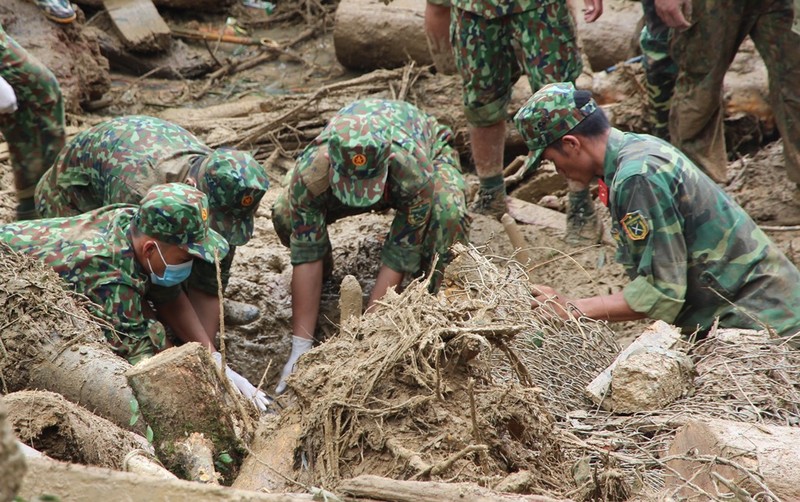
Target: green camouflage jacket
<point>691,252</point>
<point>93,253</point>
<point>417,139</point>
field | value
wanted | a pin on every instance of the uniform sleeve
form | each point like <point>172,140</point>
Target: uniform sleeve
<point>651,236</point>
<point>122,307</point>
<point>402,251</point>
<point>309,240</point>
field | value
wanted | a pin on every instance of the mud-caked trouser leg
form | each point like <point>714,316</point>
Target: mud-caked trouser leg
<point>773,36</point>
<point>659,69</point>
<point>703,54</point>
<point>35,132</point>
<point>450,220</point>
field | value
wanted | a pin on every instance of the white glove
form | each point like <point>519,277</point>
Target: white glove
<point>8,99</point>
<point>243,385</point>
<point>299,347</point>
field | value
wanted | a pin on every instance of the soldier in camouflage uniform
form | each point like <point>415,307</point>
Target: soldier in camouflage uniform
<point>117,161</point>
<point>114,255</point>
<point>487,36</point>
<point>659,68</point>
<point>692,254</point>
<point>34,131</point>
<point>373,155</point>
<point>703,47</point>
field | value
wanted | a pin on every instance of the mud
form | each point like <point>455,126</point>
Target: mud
<point>64,431</point>
<point>12,463</point>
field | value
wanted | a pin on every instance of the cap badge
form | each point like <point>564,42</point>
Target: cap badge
<point>359,159</point>
<point>247,200</point>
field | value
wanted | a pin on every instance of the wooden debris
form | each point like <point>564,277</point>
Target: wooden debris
<point>351,299</point>
<point>380,488</point>
<point>139,25</point>
<point>369,34</point>
<point>747,461</point>
<point>649,381</point>
<point>12,461</point>
<point>659,335</point>
<point>180,392</point>
<point>517,240</point>
<point>196,454</point>
<point>534,214</point>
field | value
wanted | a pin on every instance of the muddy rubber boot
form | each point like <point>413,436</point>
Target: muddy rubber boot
<point>26,209</point>
<point>59,11</point>
<point>583,224</point>
<point>490,202</point>
<point>240,313</point>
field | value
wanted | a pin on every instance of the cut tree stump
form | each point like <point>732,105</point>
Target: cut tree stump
<point>370,34</point>
<point>180,392</point>
<point>725,457</point>
<point>380,488</point>
<point>139,25</point>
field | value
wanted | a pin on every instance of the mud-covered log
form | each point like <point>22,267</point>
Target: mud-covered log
<point>380,488</point>
<point>196,455</point>
<point>70,52</point>
<point>195,5</point>
<point>52,343</point>
<point>180,392</point>
<point>725,457</point>
<point>78,483</point>
<point>269,464</point>
<point>12,461</point>
<point>65,431</point>
<point>370,34</point>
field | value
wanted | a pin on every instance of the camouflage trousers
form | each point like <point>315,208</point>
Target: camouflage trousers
<point>35,132</point>
<point>486,53</point>
<point>703,54</point>
<point>449,222</point>
<point>660,69</point>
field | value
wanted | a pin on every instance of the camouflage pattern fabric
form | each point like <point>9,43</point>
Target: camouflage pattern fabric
<point>703,54</point>
<point>424,185</point>
<point>35,132</point>
<point>93,253</point>
<point>486,45</point>
<point>117,161</point>
<point>659,68</point>
<point>691,252</point>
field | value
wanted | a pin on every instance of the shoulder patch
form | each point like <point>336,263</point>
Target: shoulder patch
<point>635,226</point>
<point>315,176</point>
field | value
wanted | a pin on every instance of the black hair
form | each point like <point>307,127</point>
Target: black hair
<point>594,125</point>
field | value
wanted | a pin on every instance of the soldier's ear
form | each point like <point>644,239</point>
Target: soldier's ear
<point>191,182</point>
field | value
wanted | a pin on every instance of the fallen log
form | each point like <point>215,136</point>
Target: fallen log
<point>50,342</point>
<point>727,459</point>
<point>370,34</point>
<point>65,431</point>
<point>380,488</point>
<point>80,483</point>
<point>180,392</point>
<point>12,460</point>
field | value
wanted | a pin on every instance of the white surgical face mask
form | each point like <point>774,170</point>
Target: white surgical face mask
<point>173,274</point>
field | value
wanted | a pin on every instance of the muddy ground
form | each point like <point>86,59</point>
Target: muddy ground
<point>262,272</point>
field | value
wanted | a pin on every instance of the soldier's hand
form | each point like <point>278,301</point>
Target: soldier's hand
<point>545,295</point>
<point>8,99</point>
<point>240,383</point>
<point>675,13</point>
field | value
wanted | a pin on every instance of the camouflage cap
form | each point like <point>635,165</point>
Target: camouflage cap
<point>549,115</point>
<point>359,148</point>
<point>235,182</point>
<point>176,213</point>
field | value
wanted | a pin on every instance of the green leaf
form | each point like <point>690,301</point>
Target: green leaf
<point>225,458</point>
<point>149,434</point>
<point>134,419</point>
<point>134,406</point>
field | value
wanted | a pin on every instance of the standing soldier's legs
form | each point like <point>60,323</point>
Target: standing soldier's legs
<point>488,67</point>
<point>550,49</point>
<point>772,35</point>
<point>437,31</point>
<point>659,69</point>
<point>35,132</point>
<point>703,54</point>
<point>450,220</point>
